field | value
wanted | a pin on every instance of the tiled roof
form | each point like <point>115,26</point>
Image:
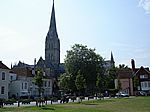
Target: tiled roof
<point>22,71</point>
<point>3,66</point>
<point>123,74</point>
<point>141,70</point>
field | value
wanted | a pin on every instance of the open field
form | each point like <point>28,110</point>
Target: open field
<point>134,104</point>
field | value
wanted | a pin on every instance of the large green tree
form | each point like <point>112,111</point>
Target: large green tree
<point>87,61</point>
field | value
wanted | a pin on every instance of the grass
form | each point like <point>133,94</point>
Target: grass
<point>135,104</point>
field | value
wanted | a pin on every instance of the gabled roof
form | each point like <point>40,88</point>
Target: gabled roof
<point>141,70</point>
<point>3,66</point>
<point>41,63</point>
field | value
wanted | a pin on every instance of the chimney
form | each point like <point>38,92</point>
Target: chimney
<point>133,65</point>
<point>34,61</point>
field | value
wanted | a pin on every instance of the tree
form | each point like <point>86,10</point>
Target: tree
<point>80,82</point>
<point>110,78</point>
<point>119,84</point>
<point>38,80</point>
<point>66,82</point>
<point>83,59</point>
<point>123,66</point>
<point>100,83</point>
<point>135,83</point>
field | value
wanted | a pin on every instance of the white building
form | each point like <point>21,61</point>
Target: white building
<point>6,77</point>
<point>24,85</point>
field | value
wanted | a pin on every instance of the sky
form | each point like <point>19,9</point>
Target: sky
<point>120,26</point>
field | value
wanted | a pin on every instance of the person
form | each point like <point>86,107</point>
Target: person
<point>1,103</point>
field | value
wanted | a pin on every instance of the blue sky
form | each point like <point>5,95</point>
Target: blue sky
<point>120,26</point>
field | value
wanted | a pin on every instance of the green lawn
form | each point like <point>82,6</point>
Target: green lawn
<point>135,104</point>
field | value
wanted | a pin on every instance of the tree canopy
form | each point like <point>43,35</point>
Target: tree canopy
<point>86,61</point>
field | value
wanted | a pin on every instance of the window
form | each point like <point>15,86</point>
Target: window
<point>11,78</point>
<point>49,84</point>
<point>3,75</point>
<point>22,85</point>
<point>2,89</point>
<point>142,84</point>
<point>45,83</point>
<point>25,86</point>
<point>143,76</point>
<point>148,84</point>
<point>145,84</point>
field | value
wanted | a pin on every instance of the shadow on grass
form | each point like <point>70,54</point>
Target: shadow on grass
<point>47,108</point>
<point>90,104</point>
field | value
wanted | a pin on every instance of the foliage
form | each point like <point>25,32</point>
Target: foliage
<point>38,80</point>
<point>123,66</point>
<point>135,83</point>
<point>100,83</point>
<point>110,78</point>
<point>83,59</point>
<point>66,82</point>
<point>119,85</point>
<point>80,82</point>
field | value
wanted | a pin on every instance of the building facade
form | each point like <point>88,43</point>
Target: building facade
<point>141,77</point>
<point>6,77</point>
<point>124,77</point>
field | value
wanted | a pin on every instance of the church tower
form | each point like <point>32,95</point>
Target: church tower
<point>112,60</point>
<point>52,43</point>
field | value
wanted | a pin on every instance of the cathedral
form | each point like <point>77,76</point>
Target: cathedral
<point>51,64</point>
<point>52,50</point>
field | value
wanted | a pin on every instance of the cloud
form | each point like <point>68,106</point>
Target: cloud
<point>145,4</point>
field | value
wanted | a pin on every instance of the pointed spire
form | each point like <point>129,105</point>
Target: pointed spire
<point>52,29</point>
<point>112,58</point>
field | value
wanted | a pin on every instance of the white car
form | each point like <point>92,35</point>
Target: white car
<point>122,94</point>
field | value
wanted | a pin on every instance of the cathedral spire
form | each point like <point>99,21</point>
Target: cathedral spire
<point>52,28</point>
<point>112,58</point>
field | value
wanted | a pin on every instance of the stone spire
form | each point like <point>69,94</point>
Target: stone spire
<point>52,28</point>
<point>52,43</point>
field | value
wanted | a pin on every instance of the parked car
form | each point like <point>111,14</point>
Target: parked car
<point>141,93</point>
<point>120,94</point>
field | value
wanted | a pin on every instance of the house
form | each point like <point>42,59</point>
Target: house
<point>4,80</point>
<point>124,77</point>
<point>141,77</point>
<point>24,86</point>
<point>6,76</point>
